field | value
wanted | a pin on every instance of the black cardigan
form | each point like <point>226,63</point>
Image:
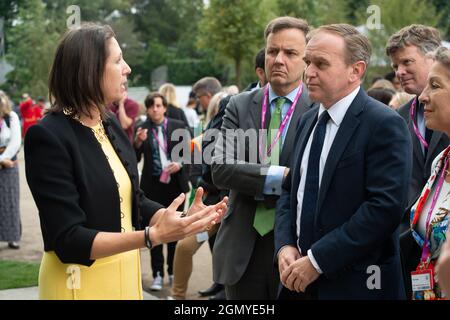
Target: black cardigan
<point>74,187</point>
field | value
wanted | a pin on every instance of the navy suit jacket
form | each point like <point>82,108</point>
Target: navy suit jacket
<point>361,200</point>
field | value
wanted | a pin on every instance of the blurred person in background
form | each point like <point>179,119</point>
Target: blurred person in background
<point>126,110</point>
<point>190,111</point>
<point>259,70</point>
<point>31,114</point>
<point>399,99</point>
<point>10,142</point>
<point>381,94</point>
<point>163,178</point>
<point>174,111</point>
<point>391,76</point>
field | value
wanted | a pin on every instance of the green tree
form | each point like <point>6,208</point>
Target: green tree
<point>394,15</point>
<point>316,12</point>
<point>443,7</point>
<point>234,29</point>
<point>32,46</point>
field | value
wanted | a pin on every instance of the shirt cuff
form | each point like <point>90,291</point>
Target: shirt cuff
<point>314,262</point>
<point>274,180</point>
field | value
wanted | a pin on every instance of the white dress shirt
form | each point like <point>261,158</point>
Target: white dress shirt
<point>337,113</point>
<point>162,153</point>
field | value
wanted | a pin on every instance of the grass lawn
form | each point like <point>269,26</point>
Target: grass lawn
<point>17,274</point>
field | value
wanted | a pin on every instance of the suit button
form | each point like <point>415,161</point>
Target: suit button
<point>273,190</point>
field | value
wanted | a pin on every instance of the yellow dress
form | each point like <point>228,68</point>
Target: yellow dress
<point>114,278</point>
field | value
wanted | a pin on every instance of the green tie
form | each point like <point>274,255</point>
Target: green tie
<point>265,218</point>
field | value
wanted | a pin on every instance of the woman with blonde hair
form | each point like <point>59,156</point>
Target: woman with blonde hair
<point>399,99</point>
<point>10,141</point>
<point>213,106</point>
<point>174,111</point>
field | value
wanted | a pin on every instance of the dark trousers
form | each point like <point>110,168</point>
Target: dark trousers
<point>164,194</point>
<point>157,259</point>
<point>260,280</point>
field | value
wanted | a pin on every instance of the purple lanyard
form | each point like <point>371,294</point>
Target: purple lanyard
<point>283,123</point>
<point>155,134</point>
<point>412,112</point>
<point>426,245</point>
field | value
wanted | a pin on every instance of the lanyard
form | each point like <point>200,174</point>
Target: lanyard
<point>155,134</point>
<point>283,123</point>
<point>426,250</point>
<point>412,112</point>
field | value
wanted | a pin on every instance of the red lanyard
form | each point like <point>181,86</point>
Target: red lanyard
<point>412,112</point>
<point>283,123</point>
<point>155,134</point>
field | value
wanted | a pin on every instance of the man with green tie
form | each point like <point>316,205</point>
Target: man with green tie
<point>253,171</point>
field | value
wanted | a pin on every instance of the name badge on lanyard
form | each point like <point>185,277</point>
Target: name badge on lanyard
<point>422,280</point>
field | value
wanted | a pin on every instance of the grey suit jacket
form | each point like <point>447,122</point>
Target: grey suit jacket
<point>421,164</point>
<point>236,237</point>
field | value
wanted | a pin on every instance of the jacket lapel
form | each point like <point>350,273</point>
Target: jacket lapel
<point>303,105</point>
<point>417,148</point>
<point>256,110</point>
<point>254,120</point>
<point>343,136</point>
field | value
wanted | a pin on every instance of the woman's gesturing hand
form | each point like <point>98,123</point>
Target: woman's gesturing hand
<point>172,227</point>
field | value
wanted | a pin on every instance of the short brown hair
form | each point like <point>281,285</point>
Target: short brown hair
<point>282,23</point>
<point>150,99</point>
<point>356,44</point>
<point>77,71</point>
<point>425,38</point>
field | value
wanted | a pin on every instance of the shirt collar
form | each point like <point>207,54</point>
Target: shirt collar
<point>338,110</point>
<point>290,96</point>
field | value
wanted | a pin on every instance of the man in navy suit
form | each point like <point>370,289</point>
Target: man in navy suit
<point>336,220</point>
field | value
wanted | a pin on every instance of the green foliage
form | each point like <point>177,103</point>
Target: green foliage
<point>234,29</point>
<point>316,12</point>
<point>14,274</point>
<point>29,51</point>
<point>395,14</point>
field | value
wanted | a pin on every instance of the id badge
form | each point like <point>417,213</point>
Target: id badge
<point>202,236</point>
<point>165,177</point>
<point>422,280</point>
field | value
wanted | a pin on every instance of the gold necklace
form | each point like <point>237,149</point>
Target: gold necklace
<point>99,133</point>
